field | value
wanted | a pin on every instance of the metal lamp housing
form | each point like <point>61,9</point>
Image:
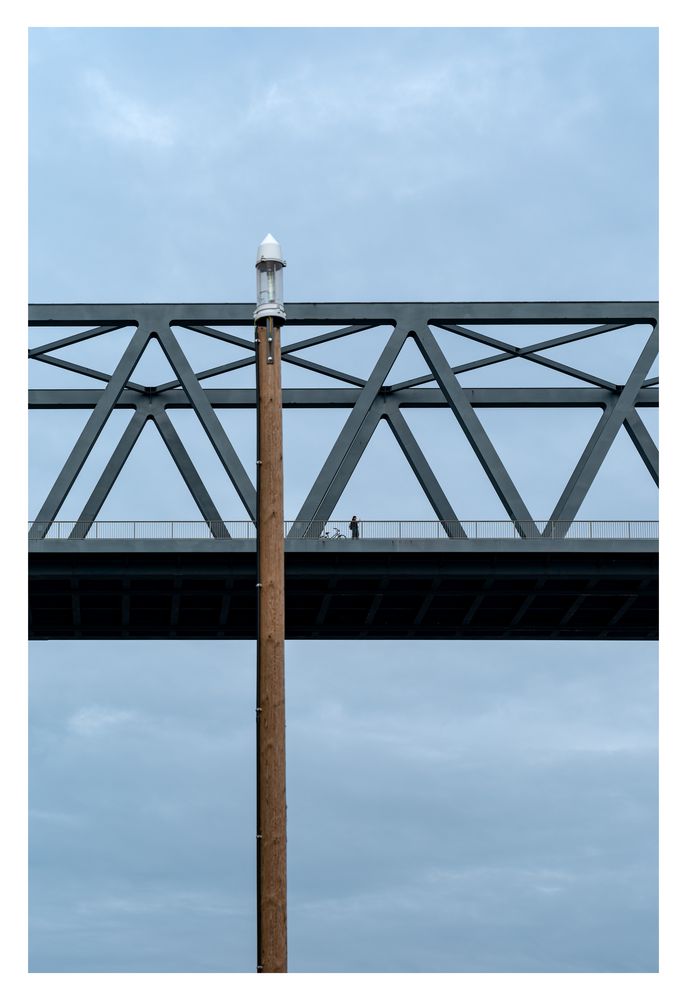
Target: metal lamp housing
<point>269,269</point>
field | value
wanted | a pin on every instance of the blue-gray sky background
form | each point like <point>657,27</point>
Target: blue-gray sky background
<point>452,806</point>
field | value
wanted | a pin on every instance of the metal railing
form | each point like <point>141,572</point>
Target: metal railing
<point>131,530</point>
<point>471,530</point>
<point>340,530</point>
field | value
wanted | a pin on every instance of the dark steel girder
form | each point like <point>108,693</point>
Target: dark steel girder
<point>330,397</point>
<point>349,313</point>
<point>411,594</point>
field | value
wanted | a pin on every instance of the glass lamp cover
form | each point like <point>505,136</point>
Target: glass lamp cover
<point>270,283</point>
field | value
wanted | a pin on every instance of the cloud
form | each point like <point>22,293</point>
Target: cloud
<point>128,119</point>
<point>154,899</point>
<point>95,720</point>
<point>54,817</point>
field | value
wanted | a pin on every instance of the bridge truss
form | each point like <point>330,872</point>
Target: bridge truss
<point>370,400</point>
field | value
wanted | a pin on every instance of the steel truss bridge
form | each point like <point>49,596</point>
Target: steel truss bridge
<point>558,578</point>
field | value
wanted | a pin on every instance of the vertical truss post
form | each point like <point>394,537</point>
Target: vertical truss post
<point>270,698</point>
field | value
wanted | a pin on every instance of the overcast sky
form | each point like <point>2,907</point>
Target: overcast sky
<point>453,807</point>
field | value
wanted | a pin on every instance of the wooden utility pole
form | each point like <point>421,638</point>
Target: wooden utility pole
<point>270,713</point>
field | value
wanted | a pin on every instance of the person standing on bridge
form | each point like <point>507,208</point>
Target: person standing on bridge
<point>354,526</point>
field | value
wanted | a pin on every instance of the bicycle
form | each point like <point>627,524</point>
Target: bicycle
<point>335,533</point>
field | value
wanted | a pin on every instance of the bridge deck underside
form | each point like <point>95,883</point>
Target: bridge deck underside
<point>347,595</point>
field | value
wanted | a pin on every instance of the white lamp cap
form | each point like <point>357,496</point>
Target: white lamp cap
<point>270,249</point>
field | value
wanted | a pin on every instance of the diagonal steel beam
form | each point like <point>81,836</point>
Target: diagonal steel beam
<point>477,601</point>
<point>527,602</point>
<point>475,433</point>
<point>495,359</point>
<point>577,373</point>
<point>209,373</point>
<point>322,370</point>
<point>480,338</point>
<point>529,353</point>
<point>376,602</point>
<point>357,431</point>
<point>571,338</point>
<point>643,442</point>
<point>323,338</point>
<point>110,473</point>
<point>89,435</point>
<point>189,474</point>
<point>228,338</point>
<point>76,338</point>
<point>603,437</point>
<point>209,420</point>
<point>82,370</point>
<point>427,601</point>
<point>542,345</point>
<point>312,527</point>
<point>423,472</point>
<point>577,602</point>
<point>326,600</point>
<point>469,366</point>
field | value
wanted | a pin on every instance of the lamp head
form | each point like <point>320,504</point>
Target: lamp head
<point>269,266</point>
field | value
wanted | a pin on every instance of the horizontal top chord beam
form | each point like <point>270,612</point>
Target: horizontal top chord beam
<point>305,313</point>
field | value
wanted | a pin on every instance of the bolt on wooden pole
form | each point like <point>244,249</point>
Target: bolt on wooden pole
<point>270,713</point>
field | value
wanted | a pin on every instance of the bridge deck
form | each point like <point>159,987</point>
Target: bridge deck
<point>345,589</point>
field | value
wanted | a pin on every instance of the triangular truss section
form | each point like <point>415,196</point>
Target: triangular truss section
<point>345,355</point>
<point>609,356</point>
<point>537,351</point>
<point>80,354</point>
<point>153,368</point>
<point>459,349</point>
<point>409,369</point>
<point>50,443</point>
<point>162,480</point>
<point>219,357</point>
<point>306,443</point>
<point>518,373</point>
<point>149,407</point>
<point>94,466</point>
<point>389,481</point>
<point>623,490</point>
<point>455,464</point>
<point>540,448</point>
<point>321,354</point>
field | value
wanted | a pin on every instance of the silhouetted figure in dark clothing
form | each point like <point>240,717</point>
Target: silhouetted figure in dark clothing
<point>354,526</point>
